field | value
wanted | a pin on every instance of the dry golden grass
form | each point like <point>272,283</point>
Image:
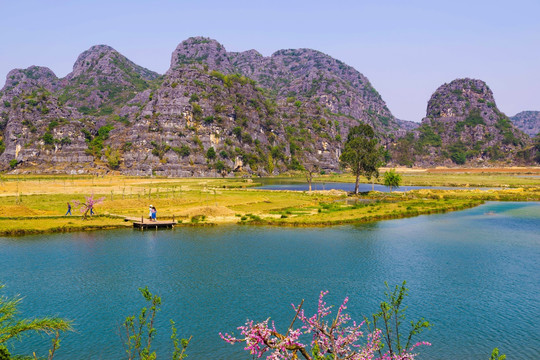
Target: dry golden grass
<point>37,203</point>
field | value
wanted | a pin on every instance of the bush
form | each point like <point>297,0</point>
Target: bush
<point>182,151</point>
<point>197,109</point>
<point>220,166</point>
<point>458,157</point>
<point>65,141</point>
<point>211,153</point>
<point>48,138</point>
<point>113,158</point>
<point>392,179</point>
<point>52,125</point>
<point>13,163</point>
<point>237,131</point>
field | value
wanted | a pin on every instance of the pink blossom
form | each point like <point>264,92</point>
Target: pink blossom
<point>334,336</point>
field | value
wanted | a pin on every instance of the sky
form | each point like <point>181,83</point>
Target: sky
<point>406,48</point>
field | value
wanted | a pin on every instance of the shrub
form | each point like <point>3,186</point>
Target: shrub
<point>247,138</point>
<point>392,179</point>
<point>197,109</point>
<point>211,153</point>
<point>52,125</point>
<point>220,166</point>
<point>113,158</point>
<point>48,138</point>
<point>237,131</point>
<point>182,151</point>
<point>65,141</point>
<point>458,157</point>
<point>13,163</point>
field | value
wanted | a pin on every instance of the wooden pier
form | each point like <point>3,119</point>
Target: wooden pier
<point>143,223</point>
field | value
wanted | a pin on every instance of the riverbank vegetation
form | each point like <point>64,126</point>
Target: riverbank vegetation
<point>36,204</point>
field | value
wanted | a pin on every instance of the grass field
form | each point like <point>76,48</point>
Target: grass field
<point>34,204</point>
<point>488,177</point>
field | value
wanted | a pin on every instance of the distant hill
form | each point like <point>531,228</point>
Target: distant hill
<point>463,126</point>
<point>528,122</point>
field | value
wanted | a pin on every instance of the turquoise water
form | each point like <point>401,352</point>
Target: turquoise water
<point>474,274</point>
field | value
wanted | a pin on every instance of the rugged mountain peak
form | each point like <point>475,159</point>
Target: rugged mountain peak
<point>459,97</point>
<point>103,78</point>
<point>103,61</point>
<point>528,122</point>
<point>462,125</point>
<point>201,49</point>
<point>20,80</point>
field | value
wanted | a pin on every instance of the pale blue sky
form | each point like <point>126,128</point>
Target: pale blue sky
<point>406,48</point>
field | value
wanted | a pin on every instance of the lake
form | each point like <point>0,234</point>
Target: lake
<point>285,184</point>
<point>474,274</point>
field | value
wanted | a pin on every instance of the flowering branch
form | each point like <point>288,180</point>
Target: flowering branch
<point>332,339</point>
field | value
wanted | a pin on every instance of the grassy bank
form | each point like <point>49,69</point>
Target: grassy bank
<point>54,224</point>
<point>489,177</point>
<point>37,204</point>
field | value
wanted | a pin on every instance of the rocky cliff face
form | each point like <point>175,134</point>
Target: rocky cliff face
<point>462,126</point>
<point>300,74</point>
<point>528,122</point>
<point>205,116</point>
<point>219,113</point>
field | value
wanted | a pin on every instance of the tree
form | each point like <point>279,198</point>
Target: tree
<point>12,328</point>
<point>88,206</point>
<point>211,153</point>
<point>362,153</point>
<point>333,337</point>
<point>309,171</point>
<point>392,179</point>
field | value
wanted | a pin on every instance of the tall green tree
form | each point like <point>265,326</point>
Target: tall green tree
<point>362,153</point>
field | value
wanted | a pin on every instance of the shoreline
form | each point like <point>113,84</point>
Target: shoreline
<point>33,205</point>
<point>122,224</point>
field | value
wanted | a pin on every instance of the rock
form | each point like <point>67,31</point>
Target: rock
<point>462,126</point>
<point>528,122</point>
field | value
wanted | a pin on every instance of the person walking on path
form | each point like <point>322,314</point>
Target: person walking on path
<point>154,213</point>
<point>69,209</point>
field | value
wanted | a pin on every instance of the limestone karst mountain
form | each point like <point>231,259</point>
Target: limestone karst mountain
<point>211,112</point>
<point>528,122</point>
<point>219,113</point>
<point>462,126</point>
